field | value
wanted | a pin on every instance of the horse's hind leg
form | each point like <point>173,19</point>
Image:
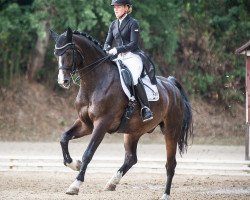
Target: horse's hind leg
<point>171,146</point>
<point>76,131</point>
<point>130,145</point>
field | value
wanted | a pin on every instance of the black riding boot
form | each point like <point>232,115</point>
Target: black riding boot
<point>146,113</point>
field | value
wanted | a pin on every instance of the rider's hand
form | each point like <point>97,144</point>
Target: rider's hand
<point>107,48</point>
<point>112,51</point>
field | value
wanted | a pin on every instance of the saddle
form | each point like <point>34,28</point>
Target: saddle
<point>148,66</point>
<point>128,85</point>
<point>127,79</point>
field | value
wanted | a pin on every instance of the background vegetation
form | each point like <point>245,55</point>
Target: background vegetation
<point>194,40</point>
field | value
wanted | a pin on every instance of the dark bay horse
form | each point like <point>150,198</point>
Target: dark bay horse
<point>101,102</point>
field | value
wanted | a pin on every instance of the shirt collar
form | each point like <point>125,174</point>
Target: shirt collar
<point>120,20</point>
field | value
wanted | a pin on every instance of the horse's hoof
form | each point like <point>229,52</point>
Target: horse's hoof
<point>75,165</point>
<point>165,197</point>
<point>72,190</point>
<point>110,187</point>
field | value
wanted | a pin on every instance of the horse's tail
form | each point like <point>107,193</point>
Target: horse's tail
<point>187,124</point>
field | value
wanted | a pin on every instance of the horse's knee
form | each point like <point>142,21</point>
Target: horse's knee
<point>63,142</point>
<point>131,159</point>
<point>134,161</point>
<point>65,137</point>
<point>64,145</point>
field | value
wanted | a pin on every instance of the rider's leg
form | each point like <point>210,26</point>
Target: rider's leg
<point>135,65</point>
<point>146,113</point>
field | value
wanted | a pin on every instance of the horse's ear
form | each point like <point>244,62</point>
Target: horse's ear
<point>69,34</point>
<point>53,34</point>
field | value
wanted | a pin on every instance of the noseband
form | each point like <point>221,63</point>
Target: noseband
<point>59,51</point>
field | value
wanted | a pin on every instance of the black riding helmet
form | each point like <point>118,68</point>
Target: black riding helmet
<point>121,2</point>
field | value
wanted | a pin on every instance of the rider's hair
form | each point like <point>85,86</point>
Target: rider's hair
<point>129,9</point>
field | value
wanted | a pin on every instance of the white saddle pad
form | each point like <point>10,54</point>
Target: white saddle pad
<point>151,90</point>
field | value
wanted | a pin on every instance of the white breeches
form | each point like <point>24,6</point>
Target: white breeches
<point>134,63</point>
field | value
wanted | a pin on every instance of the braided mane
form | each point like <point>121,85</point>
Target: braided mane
<point>90,38</point>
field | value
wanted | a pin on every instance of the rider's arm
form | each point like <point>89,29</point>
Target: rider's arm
<point>109,39</point>
<point>134,39</point>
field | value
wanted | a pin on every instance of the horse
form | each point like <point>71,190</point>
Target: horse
<point>101,102</point>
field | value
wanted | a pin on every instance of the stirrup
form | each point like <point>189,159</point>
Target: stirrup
<point>146,116</point>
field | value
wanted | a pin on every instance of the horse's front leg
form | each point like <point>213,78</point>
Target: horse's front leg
<point>130,145</point>
<point>97,136</point>
<point>78,130</point>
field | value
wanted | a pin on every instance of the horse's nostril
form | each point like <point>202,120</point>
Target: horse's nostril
<point>66,82</point>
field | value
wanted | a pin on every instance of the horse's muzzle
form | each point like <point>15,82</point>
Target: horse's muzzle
<point>66,84</point>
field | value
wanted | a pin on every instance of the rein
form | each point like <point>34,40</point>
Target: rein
<point>95,64</point>
<point>73,68</point>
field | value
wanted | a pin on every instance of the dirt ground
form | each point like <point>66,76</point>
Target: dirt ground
<point>51,185</point>
<point>35,171</point>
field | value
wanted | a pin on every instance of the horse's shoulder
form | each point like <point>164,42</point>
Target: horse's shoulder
<point>81,100</point>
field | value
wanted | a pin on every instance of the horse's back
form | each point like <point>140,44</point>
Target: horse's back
<point>169,86</point>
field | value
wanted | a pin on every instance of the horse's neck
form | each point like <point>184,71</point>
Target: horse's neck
<point>101,77</point>
<point>97,76</point>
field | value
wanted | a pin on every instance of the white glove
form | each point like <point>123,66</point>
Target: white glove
<point>112,51</point>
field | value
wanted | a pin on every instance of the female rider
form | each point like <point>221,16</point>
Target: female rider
<point>125,32</point>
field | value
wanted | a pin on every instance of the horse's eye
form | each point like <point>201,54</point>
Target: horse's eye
<point>68,55</point>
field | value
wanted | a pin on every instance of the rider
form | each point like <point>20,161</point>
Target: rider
<point>125,32</point>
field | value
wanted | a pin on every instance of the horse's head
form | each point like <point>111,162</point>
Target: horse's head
<point>69,56</point>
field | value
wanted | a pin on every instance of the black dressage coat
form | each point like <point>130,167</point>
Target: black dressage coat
<point>126,37</point>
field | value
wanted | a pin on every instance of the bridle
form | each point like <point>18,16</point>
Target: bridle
<point>59,51</point>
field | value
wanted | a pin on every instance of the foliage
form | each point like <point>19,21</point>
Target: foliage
<point>159,20</point>
<point>210,32</point>
<point>13,40</point>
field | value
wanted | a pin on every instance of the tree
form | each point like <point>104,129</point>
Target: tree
<point>158,20</point>
<point>210,31</point>
<point>57,14</point>
<point>14,41</point>
<point>40,18</point>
